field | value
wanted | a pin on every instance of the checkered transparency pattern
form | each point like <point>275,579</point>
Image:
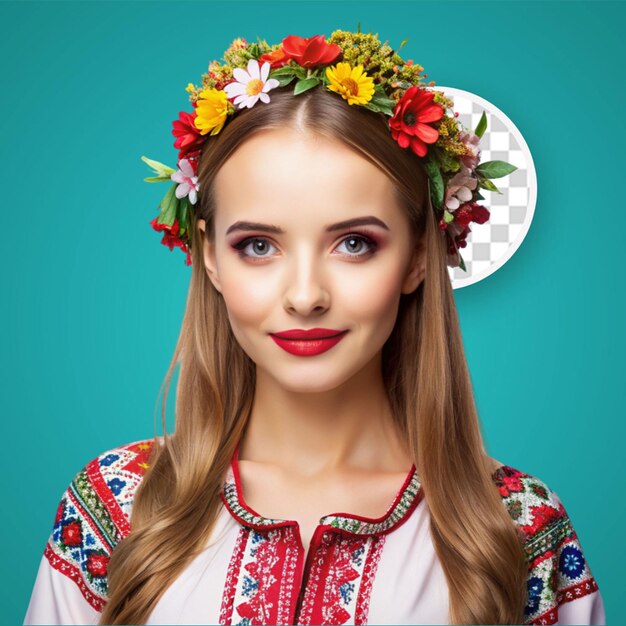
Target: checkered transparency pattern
<point>490,245</point>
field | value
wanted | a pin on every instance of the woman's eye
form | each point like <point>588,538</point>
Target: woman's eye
<point>359,245</point>
<point>257,244</point>
<point>257,247</point>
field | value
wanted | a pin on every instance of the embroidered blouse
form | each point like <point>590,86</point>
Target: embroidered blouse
<point>254,569</point>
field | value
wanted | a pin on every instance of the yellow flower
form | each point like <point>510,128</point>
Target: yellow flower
<point>190,88</point>
<point>352,83</point>
<point>211,111</point>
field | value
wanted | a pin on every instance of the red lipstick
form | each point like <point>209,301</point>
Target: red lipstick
<point>308,342</point>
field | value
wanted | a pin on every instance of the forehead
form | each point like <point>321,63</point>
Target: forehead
<point>294,176</point>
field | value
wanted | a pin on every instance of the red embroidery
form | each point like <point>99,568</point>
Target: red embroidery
<point>339,582</point>
<point>90,521</point>
<point>265,572</point>
<point>232,576</point>
<point>369,573</point>
<point>74,572</point>
<point>566,595</point>
<point>262,578</point>
<point>122,523</point>
<point>267,575</point>
<point>576,591</point>
<point>542,516</point>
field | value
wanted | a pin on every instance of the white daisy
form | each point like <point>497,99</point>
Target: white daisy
<point>187,182</point>
<point>251,85</point>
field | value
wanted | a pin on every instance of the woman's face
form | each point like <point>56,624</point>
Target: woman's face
<point>285,255</point>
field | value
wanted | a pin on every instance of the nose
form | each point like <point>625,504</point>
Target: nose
<point>305,290</point>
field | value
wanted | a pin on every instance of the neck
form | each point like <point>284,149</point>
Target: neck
<point>350,425</point>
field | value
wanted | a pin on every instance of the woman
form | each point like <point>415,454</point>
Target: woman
<point>327,464</point>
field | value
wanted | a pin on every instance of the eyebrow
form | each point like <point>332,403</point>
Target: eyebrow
<point>270,228</point>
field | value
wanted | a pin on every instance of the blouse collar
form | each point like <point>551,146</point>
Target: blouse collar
<point>405,501</point>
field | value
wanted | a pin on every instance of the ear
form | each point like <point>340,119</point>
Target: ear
<point>208,253</point>
<point>416,271</point>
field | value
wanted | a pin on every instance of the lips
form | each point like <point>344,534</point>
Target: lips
<point>308,342</point>
<point>313,333</point>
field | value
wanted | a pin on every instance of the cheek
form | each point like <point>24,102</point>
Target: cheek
<point>247,298</point>
<point>372,297</point>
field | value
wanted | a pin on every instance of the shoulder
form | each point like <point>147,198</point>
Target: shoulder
<point>557,569</point>
<point>93,516</point>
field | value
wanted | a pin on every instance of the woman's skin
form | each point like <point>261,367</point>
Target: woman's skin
<point>320,438</point>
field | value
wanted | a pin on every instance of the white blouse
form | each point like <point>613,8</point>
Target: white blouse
<point>254,570</point>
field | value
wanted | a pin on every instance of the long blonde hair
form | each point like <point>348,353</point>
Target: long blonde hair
<point>425,375</point>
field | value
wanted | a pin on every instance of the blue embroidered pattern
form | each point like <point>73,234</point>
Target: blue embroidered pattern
<point>93,516</point>
<point>558,571</point>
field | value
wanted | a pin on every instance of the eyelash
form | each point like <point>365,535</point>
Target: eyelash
<point>373,246</point>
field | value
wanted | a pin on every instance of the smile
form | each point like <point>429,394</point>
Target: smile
<point>308,347</point>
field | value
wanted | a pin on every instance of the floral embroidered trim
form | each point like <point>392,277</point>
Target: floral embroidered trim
<point>93,517</point>
<point>369,573</point>
<point>262,577</point>
<point>339,583</point>
<point>232,577</point>
<point>232,499</point>
<point>408,497</point>
<point>558,571</point>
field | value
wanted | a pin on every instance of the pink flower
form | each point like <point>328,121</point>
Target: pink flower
<point>460,188</point>
<point>187,181</point>
<point>471,142</point>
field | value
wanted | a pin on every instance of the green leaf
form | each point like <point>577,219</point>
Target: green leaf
<point>286,70</point>
<point>163,171</point>
<point>305,84</point>
<point>485,183</point>
<point>379,108</point>
<point>381,104</point>
<point>156,179</point>
<point>183,209</point>
<point>285,79</point>
<point>404,41</point>
<point>479,196</point>
<point>495,169</point>
<point>448,218</point>
<point>168,206</point>
<point>300,72</point>
<point>436,183</point>
<point>462,262</point>
<point>482,125</point>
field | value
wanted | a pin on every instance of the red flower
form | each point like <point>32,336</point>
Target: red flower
<point>170,233</point>
<point>277,58</point>
<point>97,564</point>
<point>171,238</point>
<point>470,212</point>
<point>479,213</point>
<point>72,534</point>
<point>311,51</point>
<point>409,124</point>
<point>188,138</point>
<point>509,485</point>
<point>161,227</point>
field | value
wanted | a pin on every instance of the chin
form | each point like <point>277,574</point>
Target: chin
<point>307,380</point>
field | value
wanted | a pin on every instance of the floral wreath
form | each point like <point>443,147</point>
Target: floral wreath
<point>364,72</point>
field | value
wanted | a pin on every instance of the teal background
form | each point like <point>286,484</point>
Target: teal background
<point>92,303</point>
